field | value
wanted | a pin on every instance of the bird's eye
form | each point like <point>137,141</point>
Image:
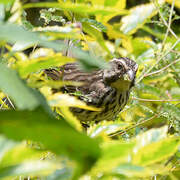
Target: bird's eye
<point>119,66</point>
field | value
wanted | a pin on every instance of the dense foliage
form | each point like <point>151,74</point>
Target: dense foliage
<point>40,138</point>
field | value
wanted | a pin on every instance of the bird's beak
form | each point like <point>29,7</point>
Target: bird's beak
<point>129,76</point>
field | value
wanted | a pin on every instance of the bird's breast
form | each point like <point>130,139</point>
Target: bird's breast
<point>111,105</point>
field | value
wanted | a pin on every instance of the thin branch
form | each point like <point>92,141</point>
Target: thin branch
<point>148,71</point>
<point>174,45</point>
<point>169,23</point>
<point>164,68</point>
<point>156,100</point>
<point>122,132</point>
<point>165,23</point>
<point>1,107</point>
<point>11,103</point>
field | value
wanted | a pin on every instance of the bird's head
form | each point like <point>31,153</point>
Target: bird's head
<point>121,73</point>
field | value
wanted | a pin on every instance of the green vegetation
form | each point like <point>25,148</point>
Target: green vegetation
<point>40,138</point>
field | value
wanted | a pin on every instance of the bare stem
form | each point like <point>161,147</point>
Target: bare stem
<point>148,71</point>
<point>132,127</point>
<point>169,23</point>
<point>164,68</point>
<point>168,30</point>
<point>156,100</point>
<point>165,23</point>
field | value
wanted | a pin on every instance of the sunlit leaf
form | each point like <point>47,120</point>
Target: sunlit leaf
<point>172,110</point>
<point>156,151</point>
<point>78,8</point>
<point>149,137</point>
<point>133,171</point>
<point>12,85</point>
<point>7,2</point>
<point>121,4</point>
<point>18,154</point>
<point>95,23</point>
<point>20,46</point>
<point>65,112</point>
<point>108,128</point>
<point>13,33</point>
<point>5,145</point>
<point>41,63</point>
<point>176,3</point>
<point>14,157</point>
<point>65,100</point>
<point>61,174</point>
<point>28,168</point>
<point>57,32</point>
<point>55,135</point>
<point>113,153</point>
<point>2,12</point>
<point>96,34</point>
<point>138,16</point>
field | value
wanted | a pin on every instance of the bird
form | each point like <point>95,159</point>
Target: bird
<point>107,89</point>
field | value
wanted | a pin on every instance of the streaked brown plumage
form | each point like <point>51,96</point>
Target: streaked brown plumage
<point>106,89</point>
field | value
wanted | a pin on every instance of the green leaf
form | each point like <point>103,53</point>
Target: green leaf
<point>12,85</point>
<point>172,110</point>
<point>116,3</point>
<point>156,152</point>
<point>107,128</point>
<point>18,154</point>
<point>132,171</point>
<point>55,135</point>
<point>65,100</point>
<point>176,3</point>
<point>18,159</point>
<point>23,96</point>
<point>150,90</point>
<point>2,12</point>
<point>28,168</point>
<point>150,136</point>
<point>13,33</point>
<point>61,174</point>
<point>78,8</point>
<point>5,146</point>
<point>140,45</point>
<point>95,23</point>
<point>95,34</point>
<point>113,153</point>
<point>138,16</point>
<point>6,1</point>
<point>34,65</point>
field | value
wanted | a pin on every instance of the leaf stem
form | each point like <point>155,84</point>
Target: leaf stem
<point>164,68</point>
<point>120,132</point>
<point>156,100</point>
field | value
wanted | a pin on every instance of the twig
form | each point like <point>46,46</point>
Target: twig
<point>3,104</point>
<point>164,68</point>
<point>147,72</point>
<point>11,102</point>
<point>169,24</point>
<point>132,127</point>
<point>168,30</point>
<point>156,100</point>
<point>165,23</point>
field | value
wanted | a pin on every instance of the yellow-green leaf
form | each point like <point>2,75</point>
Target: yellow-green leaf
<point>157,151</point>
<point>176,2</point>
<point>137,17</point>
<point>34,65</point>
<point>78,8</point>
<point>64,100</point>
<point>113,153</point>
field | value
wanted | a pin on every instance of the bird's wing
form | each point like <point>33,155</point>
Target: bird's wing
<point>92,89</point>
